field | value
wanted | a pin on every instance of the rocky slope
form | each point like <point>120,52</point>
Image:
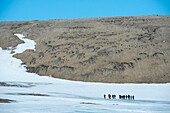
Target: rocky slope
<point>133,49</point>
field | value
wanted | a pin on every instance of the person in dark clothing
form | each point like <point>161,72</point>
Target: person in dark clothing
<point>123,97</point>
<point>104,96</point>
<point>120,96</point>
<point>133,97</point>
<point>113,96</point>
<point>129,97</point>
<point>126,96</point>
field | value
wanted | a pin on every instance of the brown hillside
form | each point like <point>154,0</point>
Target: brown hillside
<point>133,49</point>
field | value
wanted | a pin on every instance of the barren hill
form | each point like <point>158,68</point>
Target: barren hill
<point>134,49</point>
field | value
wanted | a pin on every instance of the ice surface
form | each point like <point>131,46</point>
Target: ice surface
<point>71,96</point>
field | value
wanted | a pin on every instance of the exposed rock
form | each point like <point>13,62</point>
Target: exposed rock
<point>90,103</point>
<point>33,61</point>
<point>6,100</point>
<point>32,94</point>
<point>41,55</point>
<point>13,84</point>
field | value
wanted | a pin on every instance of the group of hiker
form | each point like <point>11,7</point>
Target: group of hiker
<point>120,96</point>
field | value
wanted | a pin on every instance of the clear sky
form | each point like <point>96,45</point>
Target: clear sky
<point>17,10</point>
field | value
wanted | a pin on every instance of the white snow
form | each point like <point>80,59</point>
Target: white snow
<point>164,41</point>
<point>66,96</point>
<point>30,44</point>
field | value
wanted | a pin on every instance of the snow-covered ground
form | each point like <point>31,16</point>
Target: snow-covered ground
<point>43,94</point>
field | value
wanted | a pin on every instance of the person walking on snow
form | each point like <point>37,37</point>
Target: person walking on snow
<point>109,96</point>
<point>104,96</point>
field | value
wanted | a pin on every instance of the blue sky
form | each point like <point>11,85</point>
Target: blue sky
<point>17,10</point>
